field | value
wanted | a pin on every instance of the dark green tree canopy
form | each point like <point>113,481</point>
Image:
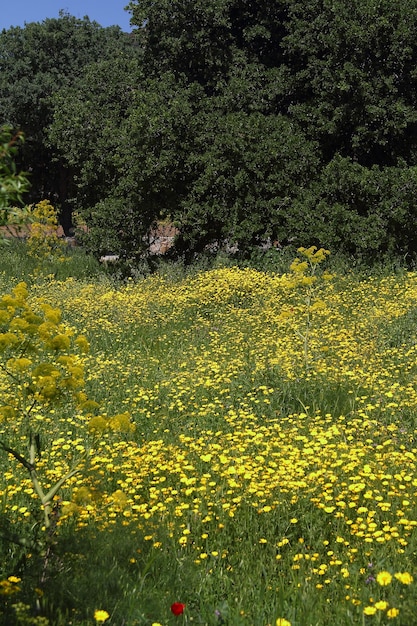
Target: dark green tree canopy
<point>42,57</point>
<point>245,169</point>
<point>13,184</point>
<point>239,121</point>
<point>353,77</point>
<point>345,71</point>
<point>35,62</point>
<point>341,75</point>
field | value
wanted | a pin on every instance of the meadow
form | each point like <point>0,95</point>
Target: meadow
<point>231,446</point>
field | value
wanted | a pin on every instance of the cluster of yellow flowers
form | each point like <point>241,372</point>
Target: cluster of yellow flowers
<point>42,361</point>
<point>214,423</point>
<point>43,242</point>
<point>10,586</point>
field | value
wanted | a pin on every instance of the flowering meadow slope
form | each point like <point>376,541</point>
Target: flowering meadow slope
<point>253,434</point>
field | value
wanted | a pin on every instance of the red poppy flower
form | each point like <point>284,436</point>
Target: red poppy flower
<point>178,608</point>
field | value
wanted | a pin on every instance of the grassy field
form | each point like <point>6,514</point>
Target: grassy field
<point>243,443</point>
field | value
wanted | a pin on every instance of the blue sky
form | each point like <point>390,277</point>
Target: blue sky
<point>105,12</point>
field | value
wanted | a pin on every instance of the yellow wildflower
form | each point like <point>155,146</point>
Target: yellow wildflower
<point>384,578</point>
<point>369,610</point>
<point>101,616</point>
<point>404,577</point>
<point>382,605</point>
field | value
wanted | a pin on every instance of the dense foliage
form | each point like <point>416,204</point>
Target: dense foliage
<point>13,184</point>
<point>36,61</point>
<point>242,123</point>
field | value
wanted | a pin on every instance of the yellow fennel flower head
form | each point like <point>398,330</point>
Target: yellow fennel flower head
<point>45,329</point>
<point>88,406</point>
<point>404,577</point>
<point>7,340</point>
<point>97,424</point>
<point>319,255</point>
<point>282,622</point>
<point>72,382</point>
<point>122,423</point>
<point>70,509</point>
<point>19,365</point>
<point>46,387</point>
<point>298,267</point>
<point>101,616</point>
<point>45,369</point>
<point>60,342</point>
<point>76,370</point>
<point>309,253</point>
<point>5,316</point>
<point>384,578</point>
<point>66,359</point>
<point>20,292</point>
<point>308,280</point>
<point>7,412</point>
<point>44,213</point>
<point>19,323</point>
<point>83,496</point>
<point>313,254</point>
<point>8,302</point>
<point>82,343</point>
<point>81,398</point>
<point>120,499</point>
<point>51,314</point>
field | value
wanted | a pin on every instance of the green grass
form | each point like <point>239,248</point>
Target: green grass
<point>263,479</point>
<point>15,264</point>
